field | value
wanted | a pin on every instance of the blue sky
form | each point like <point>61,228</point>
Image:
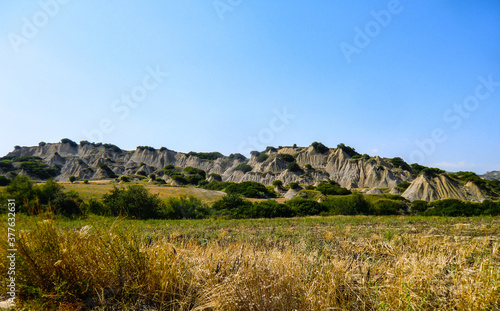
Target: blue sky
<point>416,79</point>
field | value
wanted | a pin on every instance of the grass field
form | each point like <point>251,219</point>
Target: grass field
<point>95,190</point>
<point>311,263</point>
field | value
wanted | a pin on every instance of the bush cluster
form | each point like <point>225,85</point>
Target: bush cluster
<point>206,155</point>
<point>245,168</point>
<point>286,157</point>
<point>491,187</point>
<point>261,157</point>
<point>187,176</point>
<point>347,149</point>
<point>69,141</point>
<point>332,189</point>
<point>454,207</point>
<point>250,189</point>
<point>35,199</point>
<point>135,201</point>
<point>319,147</point>
<point>237,156</point>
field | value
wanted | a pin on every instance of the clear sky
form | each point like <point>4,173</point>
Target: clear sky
<point>417,79</point>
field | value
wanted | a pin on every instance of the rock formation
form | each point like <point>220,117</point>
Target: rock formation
<point>102,161</point>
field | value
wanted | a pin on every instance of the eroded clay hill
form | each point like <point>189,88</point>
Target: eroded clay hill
<point>313,165</point>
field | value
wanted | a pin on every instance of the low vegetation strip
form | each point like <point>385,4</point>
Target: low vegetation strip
<point>136,200</point>
<point>345,263</point>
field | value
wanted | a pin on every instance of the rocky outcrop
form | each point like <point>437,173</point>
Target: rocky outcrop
<point>442,187</point>
<point>494,175</point>
<point>101,161</point>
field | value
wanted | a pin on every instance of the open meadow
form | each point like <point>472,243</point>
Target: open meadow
<point>95,190</point>
<point>306,263</point>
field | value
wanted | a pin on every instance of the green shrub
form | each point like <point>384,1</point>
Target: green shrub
<point>180,179</point>
<point>305,207</point>
<point>206,155</point>
<point>36,199</point>
<point>124,178</point>
<point>194,179</point>
<point>400,163</point>
<point>7,166</point>
<point>40,169</point>
<point>395,197</point>
<point>69,141</point>
<point>308,166</point>
<point>237,156</point>
<point>429,171</point>
<point>432,171</point>
<point>262,157</point>
<point>347,149</point>
<point>250,189</point>
<point>354,204</point>
<point>245,168</point>
<point>23,191</point>
<point>4,181</point>
<point>388,207</point>
<point>490,187</point>
<point>271,209</point>
<point>329,189</point>
<point>110,173</point>
<point>232,205</point>
<point>319,147</point>
<point>277,183</point>
<point>185,207</point>
<point>254,153</point>
<point>293,167</point>
<point>286,157</point>
<point>294,185</point>
<point>72,179</point>
<point>85,181</point>
<point>452,207</point>
<point>215,177</point>
<point>134,201</point>
<point>403,186</point>
<point>490,208</point>
<point>152,176</point>
<point>193,170</point>
<point>419,206</point>
<point>148,148</point>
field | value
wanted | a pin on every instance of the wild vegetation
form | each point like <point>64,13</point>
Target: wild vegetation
<point>137,201</point>
<point>336,262</point>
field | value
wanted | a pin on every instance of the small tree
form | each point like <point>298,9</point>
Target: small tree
<point>152,176</point>
<point>293,167</point>
<point>277,183</point>
<point>72,179</point>
<point>261,157</point>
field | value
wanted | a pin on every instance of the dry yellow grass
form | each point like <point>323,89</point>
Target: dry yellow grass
<point>332,263</point>
<point>95,190</point>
